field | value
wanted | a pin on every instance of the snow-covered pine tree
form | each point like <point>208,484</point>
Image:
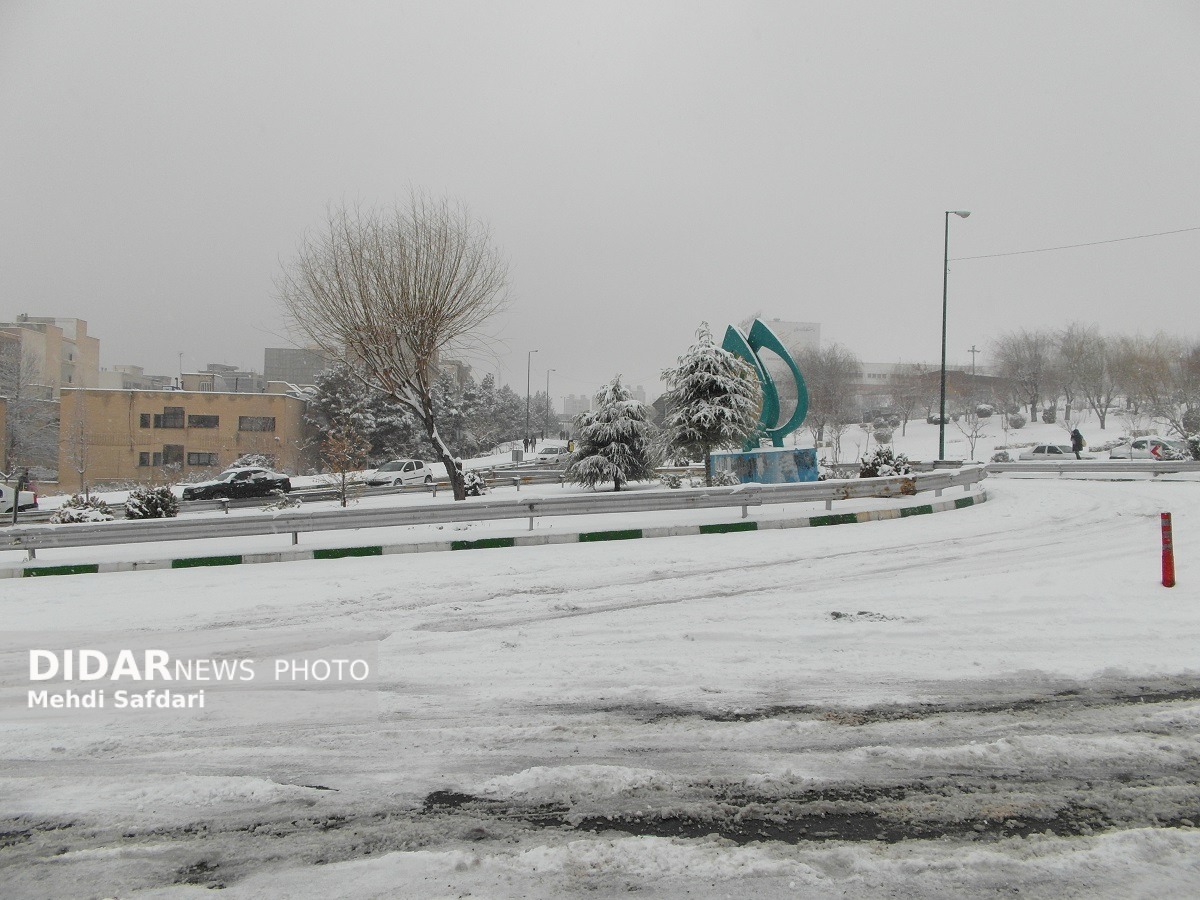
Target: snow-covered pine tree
<point>713,401</point>
<point>613,440</point>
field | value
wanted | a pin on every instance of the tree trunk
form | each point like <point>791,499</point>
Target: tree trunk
<point>457,482</point>
<point>707,464</point>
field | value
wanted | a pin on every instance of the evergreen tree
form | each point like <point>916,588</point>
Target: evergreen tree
<point>614,440</point>
<point>713,400</point>
<point>389,429</point>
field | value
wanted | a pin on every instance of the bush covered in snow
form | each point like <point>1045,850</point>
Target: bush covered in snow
<point>884,462</point>
<point>1002,456</point>
<point>882,435</point>
<point>262,460</point>
<point>151,503</point>
<point>281,500</point>
<point>671,480</point>
<point>1016,420</point>
<point>1193,443</point>
<point>80,509</point>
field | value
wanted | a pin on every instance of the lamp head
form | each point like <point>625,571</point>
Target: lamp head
<point>961,213</point>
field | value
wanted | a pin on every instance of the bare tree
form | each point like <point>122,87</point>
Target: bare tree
<point>31,430</point>
<point>392,290</point>
<point>76,442</point>
<point>912,388</point>
<point>1088,367</point>
<point>1027,359</point>
<point>972,425</point>
<point>830,373</point>
<point>344,451</point>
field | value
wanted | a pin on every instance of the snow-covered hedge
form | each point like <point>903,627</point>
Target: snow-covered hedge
<point>80,509</point>
<point>883,463</point>
<point>1016,420</point>
<point>151,503</point>
<point>1002,456</point>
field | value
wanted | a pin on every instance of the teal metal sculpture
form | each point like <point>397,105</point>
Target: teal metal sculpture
<point>747,346</point>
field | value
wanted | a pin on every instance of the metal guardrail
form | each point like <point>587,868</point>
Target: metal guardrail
<point>1101,466</point>
<point>298,521</point>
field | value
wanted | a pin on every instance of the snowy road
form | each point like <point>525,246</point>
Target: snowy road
<point>999,700</point>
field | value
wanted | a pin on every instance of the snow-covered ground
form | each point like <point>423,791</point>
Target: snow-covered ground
<point>1000,700</point>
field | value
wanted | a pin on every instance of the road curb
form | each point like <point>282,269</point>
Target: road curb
<point>976,496</point>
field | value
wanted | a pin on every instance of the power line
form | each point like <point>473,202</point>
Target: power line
<point>1136,237</point>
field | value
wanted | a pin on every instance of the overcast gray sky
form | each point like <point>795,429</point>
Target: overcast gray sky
<point>644,166</point>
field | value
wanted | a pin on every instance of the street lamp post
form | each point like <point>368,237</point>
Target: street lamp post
<point>528,363</point>
<point>961,213</point>
<point>546,419</point>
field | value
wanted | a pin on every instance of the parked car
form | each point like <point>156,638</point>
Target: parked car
<point>28,499</point>
<point>1150,448</point>
<point>555,455</point>
<point>244,481</point>
<point>1051,453</point>
<point>401,471</point>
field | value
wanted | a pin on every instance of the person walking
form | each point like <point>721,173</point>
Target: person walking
<point>1077,443</point>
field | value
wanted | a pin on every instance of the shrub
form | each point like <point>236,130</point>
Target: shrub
<point>281,500</point>
<point>1193,443</point>
<point>151,503</point>
<point>262,460</point>
<point>726,479</point>
<point>883,435</point>
<point>1191,422</point>
<point>1049,415</point>
<point>80,509</point>
<point>1002,456</point>
<point>671,480</point>
<point>1016,420</point>
<point>984,411</point>
<point>884,462</point>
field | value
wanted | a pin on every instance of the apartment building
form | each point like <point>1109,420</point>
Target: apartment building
<point>295,365</point>
<point>54,353</point>
<point>161,436</point>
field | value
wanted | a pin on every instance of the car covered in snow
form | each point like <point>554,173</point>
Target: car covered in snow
<point>1150,447</point>
<point>28,499</point>
<point>1050,453</point>
<point>400,471</point>
<point>242,481</point>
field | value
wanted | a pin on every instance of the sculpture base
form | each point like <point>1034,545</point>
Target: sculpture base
<point>767,465</point>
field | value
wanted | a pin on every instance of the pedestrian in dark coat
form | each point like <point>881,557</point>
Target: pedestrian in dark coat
<point>1077,443</point>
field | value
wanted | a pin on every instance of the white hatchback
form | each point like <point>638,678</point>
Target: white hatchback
<point>401,471</point>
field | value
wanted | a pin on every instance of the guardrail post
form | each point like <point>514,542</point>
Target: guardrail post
<point>295,538</point>
<point>531,517</point>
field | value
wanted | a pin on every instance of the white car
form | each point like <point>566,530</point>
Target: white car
<point>28,500</point>
<point>401,471</point>
<point>556,455</point>
<point>1150,447</point>
<point>1051,453</point>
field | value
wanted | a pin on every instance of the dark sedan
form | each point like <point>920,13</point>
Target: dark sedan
<point>247,481</point>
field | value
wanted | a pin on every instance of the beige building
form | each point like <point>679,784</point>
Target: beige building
<point>161,436</point>
<point>55,353</point>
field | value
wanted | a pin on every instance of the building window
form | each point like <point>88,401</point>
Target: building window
<point>144,422</point>
<point>143,459</point>
<point>203,421</point>
<point>202,459</point>
<point>172,455</point>
<point>256,423</point>
<point>149,459</point>
<point>171,417</point>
